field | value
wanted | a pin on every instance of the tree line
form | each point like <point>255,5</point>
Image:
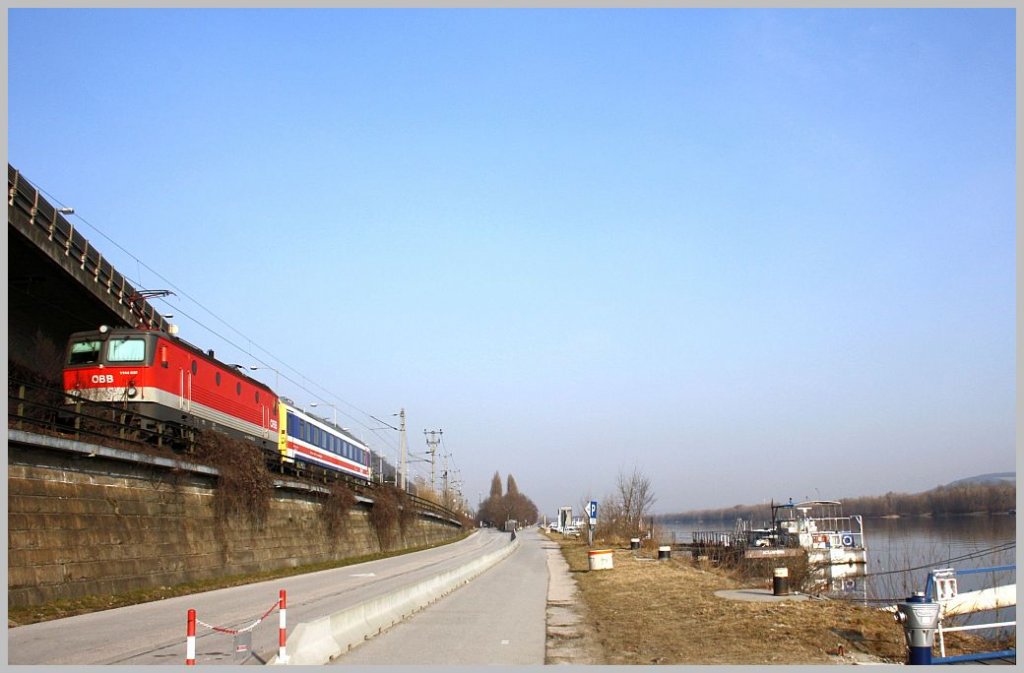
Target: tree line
<point>511,505</point>
<point>950,500</point>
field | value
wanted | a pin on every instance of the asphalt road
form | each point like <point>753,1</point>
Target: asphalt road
<point>154,633</point>
<point>497,619</point>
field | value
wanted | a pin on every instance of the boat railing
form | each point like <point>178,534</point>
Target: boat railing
<point>942,587</point>
<point>718,538</point>
<point>830,531</point>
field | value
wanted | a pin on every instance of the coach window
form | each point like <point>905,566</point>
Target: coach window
<point>217,377</point>
<point>195,368</point>
<point>126,350</point>
<point>238,388</point>
<point>257,396</point>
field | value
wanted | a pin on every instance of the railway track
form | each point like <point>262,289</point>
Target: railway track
<point>42,407</point>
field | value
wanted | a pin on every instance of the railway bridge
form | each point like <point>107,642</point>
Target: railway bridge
<point>95,512</point>
<point>58,282</point>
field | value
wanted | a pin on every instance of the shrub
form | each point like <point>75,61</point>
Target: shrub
<point>334,510</point>
<point>244,486</point>
<point>385,514</point>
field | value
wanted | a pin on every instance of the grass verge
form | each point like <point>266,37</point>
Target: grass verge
<point>648,611</point>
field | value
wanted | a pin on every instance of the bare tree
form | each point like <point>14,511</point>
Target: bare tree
<point>632,502</point>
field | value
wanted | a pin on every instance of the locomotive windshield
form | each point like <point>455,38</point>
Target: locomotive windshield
<point>126,350</point>
<point>114,350</point>
<point>84,353</point>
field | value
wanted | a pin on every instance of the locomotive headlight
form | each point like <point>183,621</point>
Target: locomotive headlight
<point>132,390</point>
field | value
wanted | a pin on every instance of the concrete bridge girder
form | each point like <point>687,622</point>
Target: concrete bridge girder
<point>58,283</point>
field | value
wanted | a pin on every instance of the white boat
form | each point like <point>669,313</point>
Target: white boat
<point>820,527</point>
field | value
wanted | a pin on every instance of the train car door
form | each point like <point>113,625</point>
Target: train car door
<point>185,388</point>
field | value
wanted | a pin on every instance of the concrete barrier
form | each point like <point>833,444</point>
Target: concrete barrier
<point>316,642</point>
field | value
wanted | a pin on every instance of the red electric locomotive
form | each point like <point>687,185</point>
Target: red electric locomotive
<point>166,379</point>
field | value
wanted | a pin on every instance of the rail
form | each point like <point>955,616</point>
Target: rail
<point>942,586</point>
<point>47,409</point>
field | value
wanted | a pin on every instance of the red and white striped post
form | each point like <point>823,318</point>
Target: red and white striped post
<point>282,637</point>
<point>190,639</point>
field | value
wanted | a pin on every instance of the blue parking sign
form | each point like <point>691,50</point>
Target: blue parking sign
<point>593,511</point>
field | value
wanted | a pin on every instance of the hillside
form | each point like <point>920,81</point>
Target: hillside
<point>992,478</point>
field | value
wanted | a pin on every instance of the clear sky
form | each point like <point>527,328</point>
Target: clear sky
<point>753,253</point>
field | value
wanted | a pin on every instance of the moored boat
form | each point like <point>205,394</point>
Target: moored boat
<point>821,528</point>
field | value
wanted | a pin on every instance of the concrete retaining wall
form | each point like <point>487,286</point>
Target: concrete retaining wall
<point>81,525</point>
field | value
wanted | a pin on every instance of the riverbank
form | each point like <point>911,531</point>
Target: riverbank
<point>646,611</point>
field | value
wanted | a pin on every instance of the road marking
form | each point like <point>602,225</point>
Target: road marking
<point>365,575</point>
<point>504,642</point>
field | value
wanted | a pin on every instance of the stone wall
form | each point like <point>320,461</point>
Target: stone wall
<point>83,525</point>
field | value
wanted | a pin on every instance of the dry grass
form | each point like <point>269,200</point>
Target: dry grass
<point>646,611</point>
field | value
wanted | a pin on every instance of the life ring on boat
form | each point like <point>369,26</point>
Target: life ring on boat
<point>847,540</point>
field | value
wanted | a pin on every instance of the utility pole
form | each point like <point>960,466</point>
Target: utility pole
<point>401,442</point>
<point>444,498</point>
<point>433,438</point>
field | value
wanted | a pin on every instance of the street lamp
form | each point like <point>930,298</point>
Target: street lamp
<point>314,404</point>
<point>277,376</point>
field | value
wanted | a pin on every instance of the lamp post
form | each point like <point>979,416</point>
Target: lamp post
<point>277,376</point>
<point>401,443</point>
<point>314,404</point>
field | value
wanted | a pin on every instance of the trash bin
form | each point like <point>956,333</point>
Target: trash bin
<point>780,582</point>
<point>600,559</point>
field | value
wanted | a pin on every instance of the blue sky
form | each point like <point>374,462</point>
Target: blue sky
<point>753,253</point>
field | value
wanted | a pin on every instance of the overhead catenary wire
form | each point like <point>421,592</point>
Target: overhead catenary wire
<point>199,323</point>
<point>989,551</point>
<point>981,553</point>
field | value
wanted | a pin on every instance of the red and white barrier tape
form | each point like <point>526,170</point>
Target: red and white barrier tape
<point>223,629</point>
<point>190,637</point>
